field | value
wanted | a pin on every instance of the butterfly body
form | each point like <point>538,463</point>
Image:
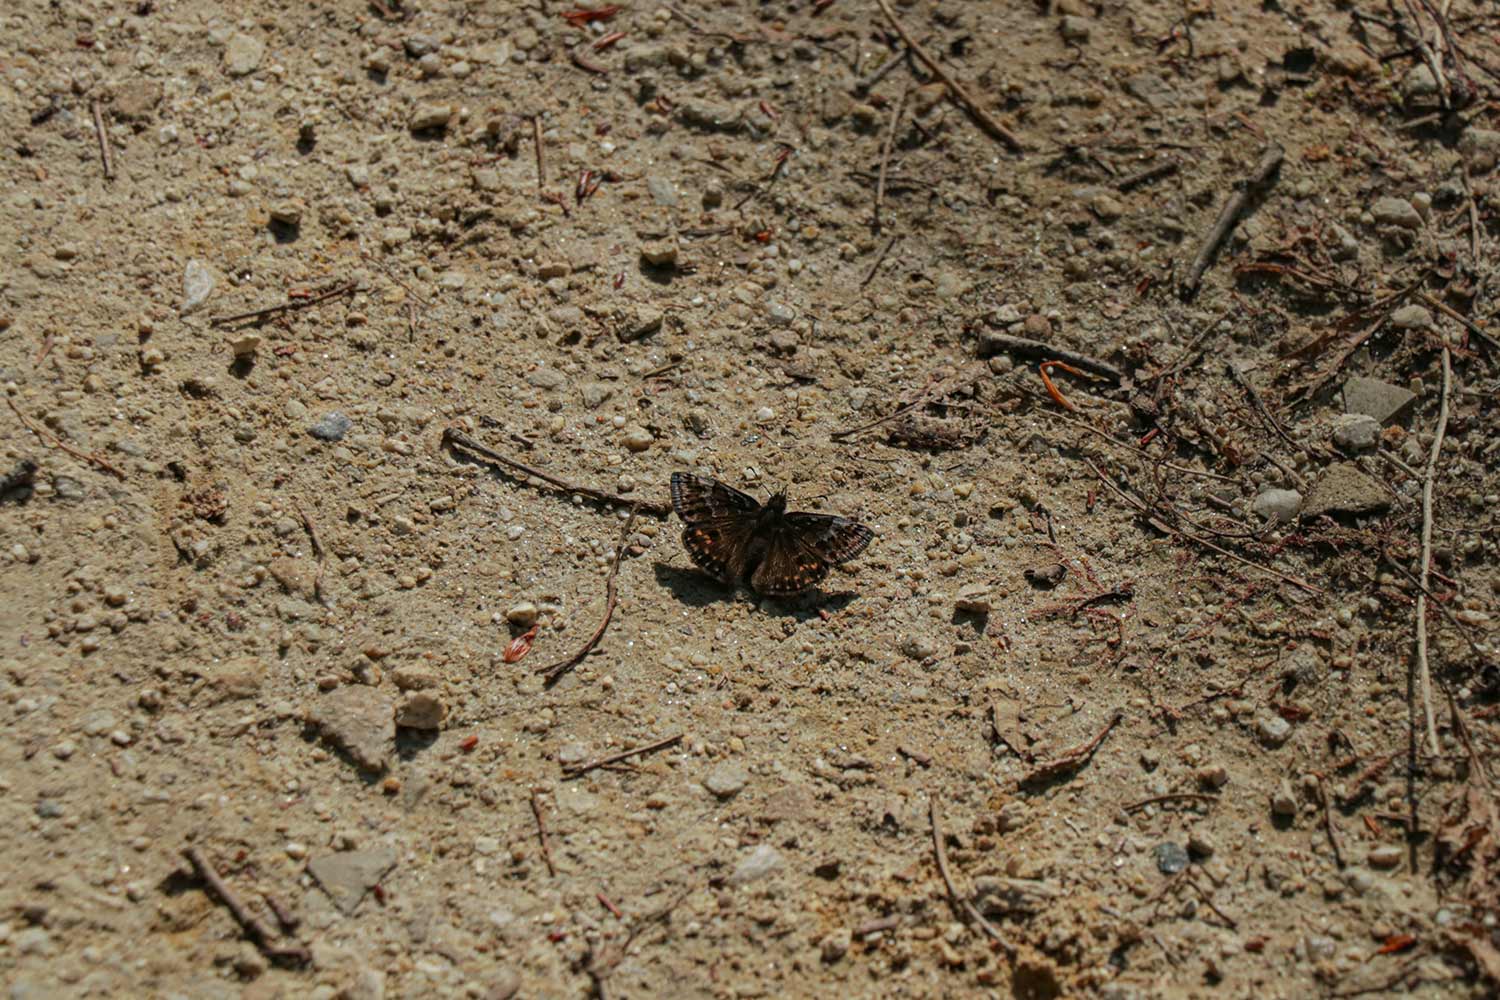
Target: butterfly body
<point>736,539</point>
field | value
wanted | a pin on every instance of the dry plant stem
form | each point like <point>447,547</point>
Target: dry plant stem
<point>292,306</point>
<point>879,259</point>
<point>263,936</point>
<point>866,83</point>
<point>885,154</point>
<point>1172,797</point>
<point>594,765</point>
<point>452,437</point>
<point>1161,525</point>
<point>1071,760</point>
<point>1424,671</point>
<point>611,596</point>
<point>1149,174</point>
<point>103,137</point>
<point>61,445</point>
<point>961,903</point>
<point>962,96</point>
<point>541,831</point>
<point>1333,831</point>
<point>1229,215</point>
<point>536,138</point>
<point>1460,318</point>
<point>1026,347</point>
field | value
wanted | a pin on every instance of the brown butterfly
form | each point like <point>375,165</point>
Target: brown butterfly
<point>733,538</point>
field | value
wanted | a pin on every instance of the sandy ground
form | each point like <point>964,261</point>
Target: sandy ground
<point>1126,699</point>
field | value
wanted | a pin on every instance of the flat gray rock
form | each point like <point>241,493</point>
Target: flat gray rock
<point>360,722</point>
<point>1374,398</point>
<point>348,875</point>
<point>1345,490</point>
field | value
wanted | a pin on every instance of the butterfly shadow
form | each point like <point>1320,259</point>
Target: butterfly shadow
<point>692,587</point>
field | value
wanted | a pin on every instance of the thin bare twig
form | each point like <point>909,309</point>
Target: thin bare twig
<point>1333,831</point>
<point>292,306</point>
<point>879,259</point>
<point>1172,797</point>
<point>961,903</point>
<point>536,137</point>
<point>541,830</point>
<point>259,931</point>
<point>1151,173</point>
<point>454,437</point>
<point>885,154</point>
<point>578,770</point>
<point>104,154</point>
<point>962,96</point>
<point>60,444</point>
<point>611,595</point>
<point>1027,348</point>
<point>1071,760</point>
<point>1270,160</point>
<point>1424,673</point>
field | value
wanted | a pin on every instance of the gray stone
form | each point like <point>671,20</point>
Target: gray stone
<point>1284,800</point>
<point>1171,857</point>
<point>697,113</point>
<point>1074,29</point>
<point>547,378</point>
<point>1374,398</point>
<point>780,313</point>
<point>197,286</point>
<point>421,711</point>
<point>764,861</point>
<point>636,322</point>
<point>358,720</point>
<point>660,253</point>
<point>1277,505</point>
<point>1396,212</point>
<point>1385,856</point>
<point>1412,317</point>
<point>1356,432</point>
<point>1480,148</point>
<point>637,438</point>
<point>1152,89</point>
<point>727,779</point>
<point>1346,246</point>
<point>595,394</point>
<point>523,615</point>
<point>134,101</point>
<point>1345,489</point>
<point>426,117</point>
<point>419,45</point>
<point>243,54</point>
<point>1419,84</point>
<point>348,875</point>
<point>663,190</point>
<point>836,945</point>
<point>1273,730</point>
<point>918,647</point>
<point>331,427</point>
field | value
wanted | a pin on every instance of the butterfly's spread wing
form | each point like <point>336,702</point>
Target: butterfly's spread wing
<point>719,524</point>
<point>834,539</point>
<point>805,548</point>
<point>699,499</point>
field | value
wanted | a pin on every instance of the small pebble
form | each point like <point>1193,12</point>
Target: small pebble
<point>523,615</point>
<point>1171,857</point>
<point>1273,730</point>
<point>726,780</point>
<point>331,427</point>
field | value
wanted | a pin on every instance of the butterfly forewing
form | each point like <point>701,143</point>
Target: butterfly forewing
<point>698,498</point>
<point>833,539</point>
<point>720,548</point>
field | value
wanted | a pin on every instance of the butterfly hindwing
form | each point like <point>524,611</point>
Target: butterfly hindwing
<point>719,548</point>
<point>788,567</point>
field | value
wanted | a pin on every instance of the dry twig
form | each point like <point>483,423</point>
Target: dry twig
<point>454,437</point>
<point>541,830</point>
<point>578,770</point>
<point>1270,160</point>
<point>60,444</point>
<point>109,163</point>
<point>1070,760</point>
<point>885,154</point>
<point>1424,673</point>
<point>259,931</point>
<point>962,96</point>
<point>879,259</point>
<point>551,673</point>
<point>292,306</point>
<point>962,903</point>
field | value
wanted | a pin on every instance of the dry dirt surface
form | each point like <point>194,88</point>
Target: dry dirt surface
<point>351,650</point>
